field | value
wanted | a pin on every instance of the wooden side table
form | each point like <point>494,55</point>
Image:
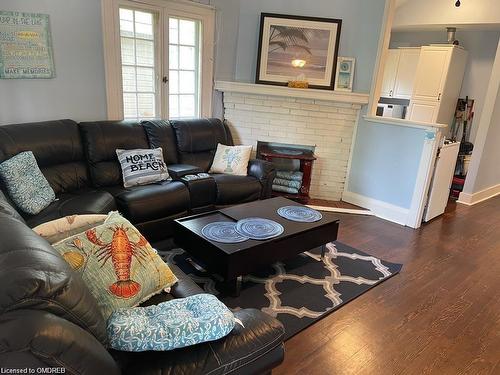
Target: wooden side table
<point>306,159</point>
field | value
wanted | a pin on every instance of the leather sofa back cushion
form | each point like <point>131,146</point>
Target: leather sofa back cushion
<point>57,148</point>
<point>197,140</point>
<point>161,134</point>
<point>35,277</point>
<point>100,141</point>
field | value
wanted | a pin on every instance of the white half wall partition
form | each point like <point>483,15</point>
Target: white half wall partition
<point>391,167</point>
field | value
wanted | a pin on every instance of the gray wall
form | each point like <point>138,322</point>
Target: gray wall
<point>78,91</point>
<point>481,45</point>
<point>359,37</point>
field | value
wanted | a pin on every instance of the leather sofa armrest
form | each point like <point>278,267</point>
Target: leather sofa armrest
<point>255,348</point>
<point>177,171</point>
<point>36,338</point>
<point>265,172</point>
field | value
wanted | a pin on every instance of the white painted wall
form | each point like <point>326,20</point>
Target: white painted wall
<point>489,171</point>
<point>481,45</point>
<point>78,90</point>
<point>431,14</point>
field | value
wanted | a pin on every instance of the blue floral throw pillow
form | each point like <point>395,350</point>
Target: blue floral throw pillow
<point>170,325</point>
<point>26,185</point>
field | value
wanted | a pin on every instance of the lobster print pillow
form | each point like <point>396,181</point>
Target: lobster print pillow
<point>117,263</point>
<point>231,160</point>
<point>142,166</point>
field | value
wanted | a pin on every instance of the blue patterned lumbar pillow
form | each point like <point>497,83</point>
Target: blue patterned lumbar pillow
<point>170,325</point>
<point>26,185</point>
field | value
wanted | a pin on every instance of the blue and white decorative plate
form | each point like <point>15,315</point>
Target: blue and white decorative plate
<point>300,213</point>
<point>222,231</point>
<point>259,229</point>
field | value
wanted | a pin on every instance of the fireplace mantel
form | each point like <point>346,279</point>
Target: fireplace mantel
<point>325,95</point>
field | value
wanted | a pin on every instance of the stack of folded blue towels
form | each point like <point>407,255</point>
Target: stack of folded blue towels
<point>288,182</point>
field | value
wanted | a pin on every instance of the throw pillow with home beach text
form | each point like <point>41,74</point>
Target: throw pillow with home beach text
<point>142,166</point>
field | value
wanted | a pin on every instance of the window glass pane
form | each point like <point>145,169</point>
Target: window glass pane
<point>143,17</point>
<point>173,106</point>
<point>187,58</point>
<point>173,57</point>
<point>187,106</point>
<point>128,73</point>
<point>126,14</point>
<point>145,80</point>
<point>187,32</point>
<point>145,51</point>
<point>138,64</point>
<point>126,28</point>
<point>143,31</point>
<point>187,82</point>
<point>146,105</point>
<point>128,51</point>
<point>173,36</point>
<point>173,82</point>
<point>129,105</point>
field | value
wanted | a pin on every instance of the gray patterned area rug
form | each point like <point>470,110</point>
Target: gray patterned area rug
<point>302,289</point>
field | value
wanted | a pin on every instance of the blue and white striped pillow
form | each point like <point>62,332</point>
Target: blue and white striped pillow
<point>142,166</point>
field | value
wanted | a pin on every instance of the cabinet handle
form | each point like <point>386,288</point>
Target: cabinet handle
<point>439,97</point>
<point>390,93</point>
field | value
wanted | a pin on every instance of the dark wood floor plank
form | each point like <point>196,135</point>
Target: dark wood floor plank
<point>440,315</point>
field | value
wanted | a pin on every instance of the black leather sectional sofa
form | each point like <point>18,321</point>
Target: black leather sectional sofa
<point>80,163</point>
<point>48,317</point>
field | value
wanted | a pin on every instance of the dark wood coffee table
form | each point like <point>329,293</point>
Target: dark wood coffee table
<point>232,261</point>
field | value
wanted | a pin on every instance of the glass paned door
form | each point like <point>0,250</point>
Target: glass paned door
<point>184,68</point>
<point>139,78</point>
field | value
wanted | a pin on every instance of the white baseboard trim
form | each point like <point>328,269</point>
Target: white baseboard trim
<point>380,209</point>
<point>480,196</point>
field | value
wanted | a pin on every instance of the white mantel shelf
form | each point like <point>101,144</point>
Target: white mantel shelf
<point>326,95</point>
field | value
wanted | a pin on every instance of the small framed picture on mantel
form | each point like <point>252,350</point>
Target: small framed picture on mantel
<point>297,48</point>
<point>345,73</point>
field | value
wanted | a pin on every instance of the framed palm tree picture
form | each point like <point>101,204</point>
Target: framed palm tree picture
<point>298,48</point>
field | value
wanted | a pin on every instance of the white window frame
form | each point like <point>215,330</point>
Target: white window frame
<point>165,8</point>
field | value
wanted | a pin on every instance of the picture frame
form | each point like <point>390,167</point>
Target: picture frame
<point>345,73</point>
<point>298,48</point>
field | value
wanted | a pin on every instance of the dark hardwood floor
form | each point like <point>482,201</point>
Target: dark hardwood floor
<point>440,315</point>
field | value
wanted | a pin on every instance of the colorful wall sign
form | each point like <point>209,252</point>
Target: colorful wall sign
<point>25,46</point>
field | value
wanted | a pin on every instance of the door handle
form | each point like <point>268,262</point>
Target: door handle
<point>165,79</point>
<point>439,97</point>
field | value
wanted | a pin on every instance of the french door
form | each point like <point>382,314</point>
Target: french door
<point>163,66</point>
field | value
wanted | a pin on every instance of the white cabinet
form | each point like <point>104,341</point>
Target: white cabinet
<point>438,81</point>
<point>399,73</point>
<point>431,71</point>
<point>390,72</point>
<point>423,111</point>
<point>405,77</point>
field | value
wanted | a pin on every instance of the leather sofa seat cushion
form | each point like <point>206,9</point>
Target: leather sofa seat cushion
<point>246,350</point>
<point>149,202</point>
<point>101,140</point>
<point>197,140</point>
<point>81,202</point>
<point>236,189</point>
<point>57,148</point>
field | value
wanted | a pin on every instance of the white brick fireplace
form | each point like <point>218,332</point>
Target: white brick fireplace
<point>320,118</point>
